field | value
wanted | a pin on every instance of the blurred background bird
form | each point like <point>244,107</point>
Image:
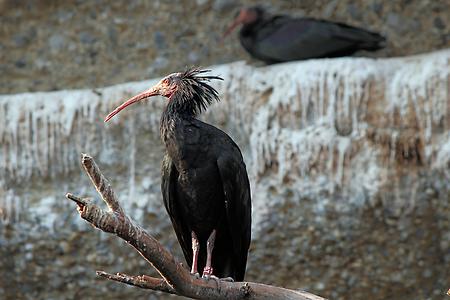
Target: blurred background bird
<point>281,38</point>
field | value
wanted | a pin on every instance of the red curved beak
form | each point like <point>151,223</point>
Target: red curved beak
<point>145,94</point>
<point>239,20</point>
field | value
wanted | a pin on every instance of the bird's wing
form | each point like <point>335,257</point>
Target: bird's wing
<point>258,39</point>
<point>236,187</point>
<point>305,38</point>
<point>271,24</point>
<point>168,188</point>
<point>349,32</point>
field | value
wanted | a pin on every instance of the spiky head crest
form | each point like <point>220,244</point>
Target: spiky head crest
<point>192,93</point>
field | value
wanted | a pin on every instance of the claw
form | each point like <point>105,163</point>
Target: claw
<point>228,279</point>
<point>196,275</point>
<point>207,272</point>
<point>209,277</point>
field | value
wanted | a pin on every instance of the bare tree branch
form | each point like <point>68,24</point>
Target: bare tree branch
<point>101,183</point>
<point>143,281</point>
<point>176,278</point>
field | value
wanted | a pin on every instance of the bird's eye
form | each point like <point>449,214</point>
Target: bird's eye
<point>166,81</point>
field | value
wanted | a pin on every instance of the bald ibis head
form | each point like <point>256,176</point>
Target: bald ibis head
<point>247,16</point>
<point>188,91</point>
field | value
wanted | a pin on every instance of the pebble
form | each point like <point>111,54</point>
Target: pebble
<point>87,38</point>
<point>29,246</point>
<point>393,19</point>
<point>159,39</point>
<point>112,34</point>
<point>193,57</point>
<point>319,286</point>
<point>56,42</point>
<point>146,182</point>
<point>20,63</point>
<point>438,23</point>
<point>354,11</point>
<point>28,256</point>
<point>20,40</point>
<point>224,5</point>
<point>427,273</point>
<point>329,9</point>
<point>377,7</point>
<point>159,63</point>
<point>64,15</point>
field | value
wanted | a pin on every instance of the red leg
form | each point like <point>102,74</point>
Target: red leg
<point>195,249</point>
<point>208,270</point>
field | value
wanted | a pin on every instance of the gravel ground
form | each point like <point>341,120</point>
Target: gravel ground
<point>51,45</point>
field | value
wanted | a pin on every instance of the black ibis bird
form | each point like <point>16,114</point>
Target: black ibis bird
<point>205,185</point>
<point>281,38</point>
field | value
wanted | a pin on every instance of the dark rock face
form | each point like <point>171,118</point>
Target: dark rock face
<point>98,43</point>
<point>348,160</point>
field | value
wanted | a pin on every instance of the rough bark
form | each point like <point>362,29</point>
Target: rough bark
<point>176,279</point>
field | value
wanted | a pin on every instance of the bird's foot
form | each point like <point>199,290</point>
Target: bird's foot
<point>209,277</point>
<point>208,272</point>
<point>228,279</point>
<point>196,275</point>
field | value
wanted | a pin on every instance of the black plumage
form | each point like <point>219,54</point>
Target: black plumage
<point>281,38</point>
<point>205,186</point>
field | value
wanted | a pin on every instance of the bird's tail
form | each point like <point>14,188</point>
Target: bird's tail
<point>374,41</point>
<point>366,39</point>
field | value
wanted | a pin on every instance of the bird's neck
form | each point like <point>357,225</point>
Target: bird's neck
<point>248,30</point>
<point>173,119</point>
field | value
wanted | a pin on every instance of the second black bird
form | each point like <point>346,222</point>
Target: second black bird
<point>281,38</point>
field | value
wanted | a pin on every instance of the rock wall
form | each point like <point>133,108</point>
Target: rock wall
<point>349,161</point>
